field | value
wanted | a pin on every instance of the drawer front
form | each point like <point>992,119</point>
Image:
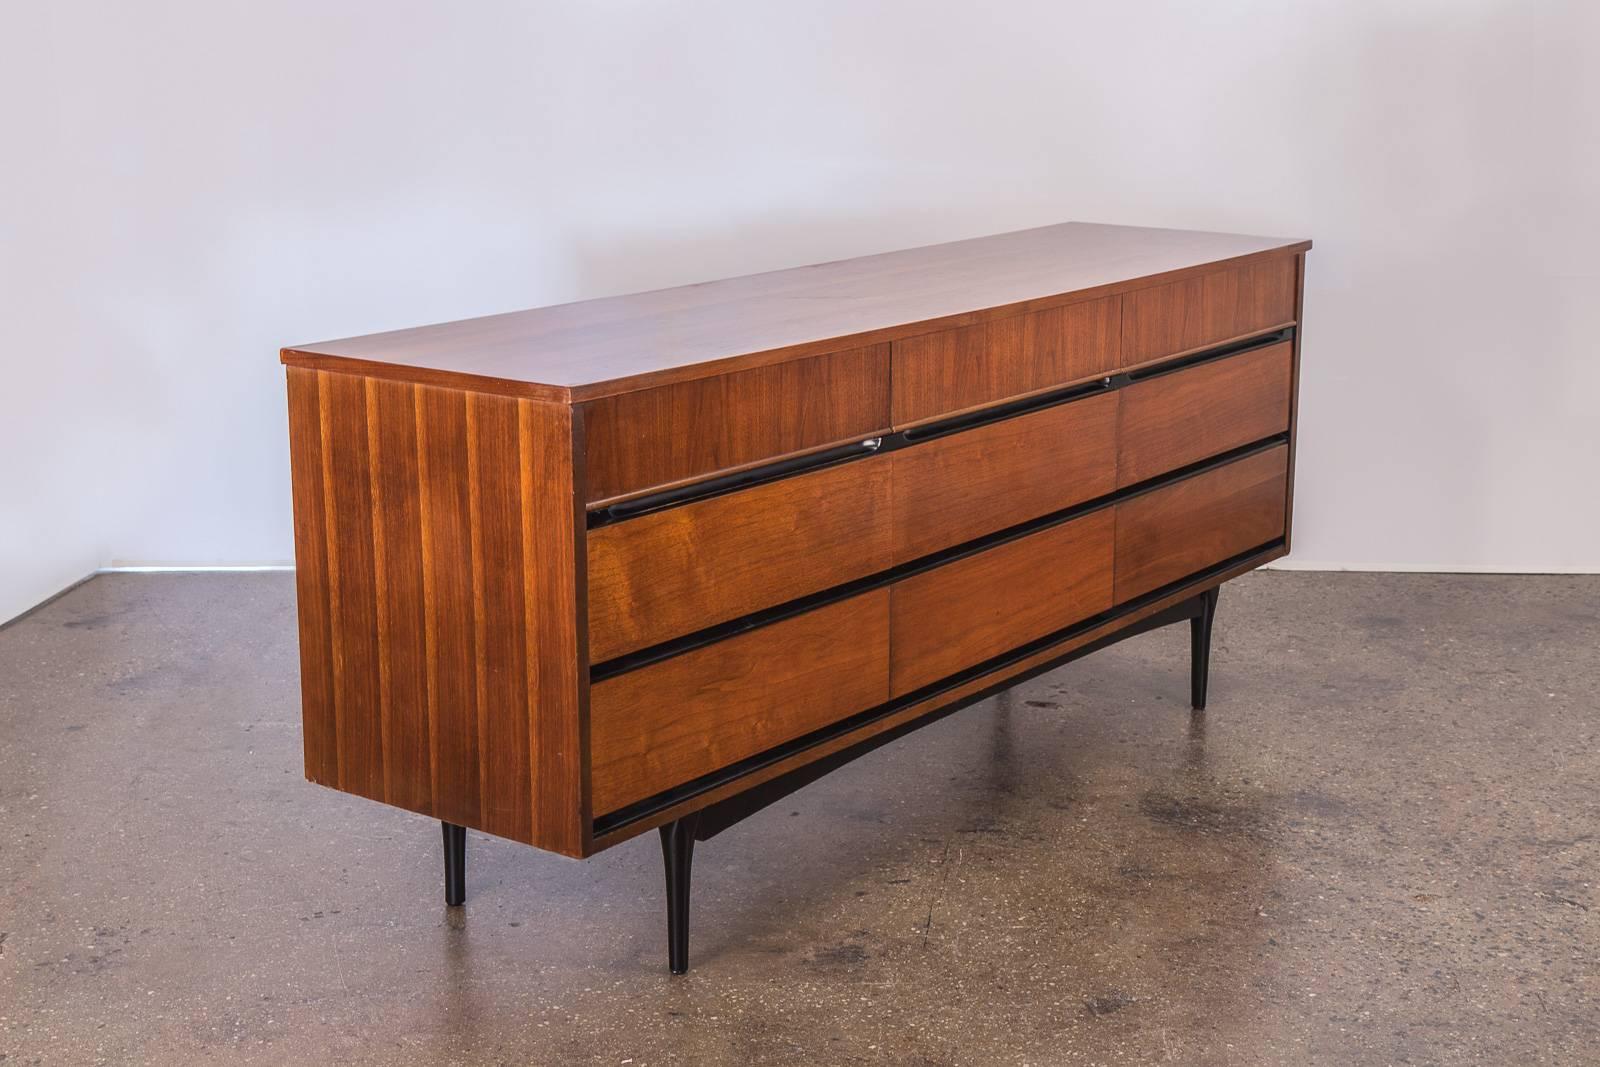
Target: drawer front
<point>671,722</point>
<point>956,370</point>
<point>953,489</point>
<point>1185,416</point>
<point>1193,524</point>
<point>1208,309</point>
<point>675,433</point>
<point>952,617</point>
<point>673,572</point>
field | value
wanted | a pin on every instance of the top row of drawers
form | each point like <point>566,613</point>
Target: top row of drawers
<point>668,435</point>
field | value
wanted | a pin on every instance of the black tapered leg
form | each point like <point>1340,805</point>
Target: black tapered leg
<point>455,863</point>
<point>1200,648</point>
<point>677,853</point>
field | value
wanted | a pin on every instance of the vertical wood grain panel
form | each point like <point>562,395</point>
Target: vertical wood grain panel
<point>311,579</point>
<point>451,635</point>
<point>503,709</point>
<point>551,447</point>
<point>397,527</point>
<point>347,493</point>
<point>1207,309</point>
<point>439,551</point>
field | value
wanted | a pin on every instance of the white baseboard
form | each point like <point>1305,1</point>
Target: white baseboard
<point>1424,568</point>
<point>191,568</point>
<point>148,568</point>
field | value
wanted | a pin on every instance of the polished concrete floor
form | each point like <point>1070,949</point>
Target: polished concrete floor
<point>1380,846</point>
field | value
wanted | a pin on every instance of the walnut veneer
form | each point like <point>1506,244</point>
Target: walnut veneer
<point>569,574</point>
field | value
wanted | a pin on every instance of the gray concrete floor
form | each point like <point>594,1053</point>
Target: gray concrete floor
<point>1379,846</point>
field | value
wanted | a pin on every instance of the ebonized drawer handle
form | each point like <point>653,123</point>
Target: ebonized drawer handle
<point>728,483</point>
<point>1000,412</point>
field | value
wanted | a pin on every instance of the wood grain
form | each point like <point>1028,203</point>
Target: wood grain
<point>594,348</point>
<point>672,572</point>
<point>449,583</point>
<point>673,721</point>
<point>1294,398</point>
<point>960,614</point>
<point>933,703</point>
<point>1208,309</point>
<point>660,437</point>
<point>352,584</point>
<point>550,447</point>
<point>312,595</point>
<point>957,370</point>
<point>956,488</point>
<point>402,618</point>
<point>498,617</point>
<point>438,553</point>
<point>1180,529</point>
<point>1179,418</point>
<point>444,572</point>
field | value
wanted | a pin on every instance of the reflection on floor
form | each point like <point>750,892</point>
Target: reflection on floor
<point>1378,846</point>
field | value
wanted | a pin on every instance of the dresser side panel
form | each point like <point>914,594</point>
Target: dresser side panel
<point>441,649</point>
<point>353,583</point>
<point>312,596</point>
<point>402,622</point>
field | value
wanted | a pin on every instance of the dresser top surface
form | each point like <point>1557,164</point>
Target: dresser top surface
<point>596,348</point>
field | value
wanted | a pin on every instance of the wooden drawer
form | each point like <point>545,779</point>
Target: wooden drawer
<point>673,572</point>
<point>674,433</point>
<point>671,722</point>
<point>952,617</point>
<point>956,370</point>
<point>969,484</point>
<point>1173,532</point>
<point>1188,415</point>
<point>1207,310</point>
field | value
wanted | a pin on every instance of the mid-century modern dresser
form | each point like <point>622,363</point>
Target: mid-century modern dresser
<point>653,561</point>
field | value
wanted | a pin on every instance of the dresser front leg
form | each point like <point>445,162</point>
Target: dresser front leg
<point>1200,648</point>
<point>455,863</point>
<point>677,853</point>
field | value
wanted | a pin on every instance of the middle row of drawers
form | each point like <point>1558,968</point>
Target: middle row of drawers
<point>662,575</point>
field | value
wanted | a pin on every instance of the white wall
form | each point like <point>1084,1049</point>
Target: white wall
<point>188,185</point>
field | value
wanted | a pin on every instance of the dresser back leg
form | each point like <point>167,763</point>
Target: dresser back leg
<point>455,863</point>
<point>677,853</point>
<point>1200,648</point>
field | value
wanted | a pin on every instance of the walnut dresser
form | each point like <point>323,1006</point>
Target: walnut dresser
<point>652,562</point>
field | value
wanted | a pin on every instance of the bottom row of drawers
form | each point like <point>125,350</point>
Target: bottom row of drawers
<point>673,721</point>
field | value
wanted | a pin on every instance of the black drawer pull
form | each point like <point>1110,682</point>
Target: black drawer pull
<point>728,483</point>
